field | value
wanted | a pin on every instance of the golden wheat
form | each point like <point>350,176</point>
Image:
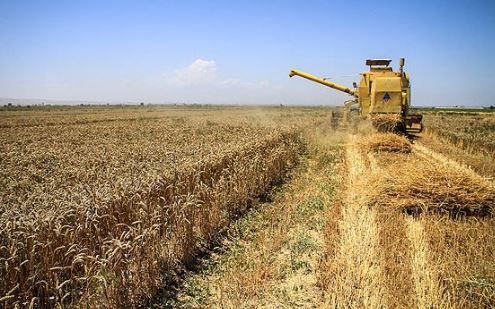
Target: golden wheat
<point>94,213</point>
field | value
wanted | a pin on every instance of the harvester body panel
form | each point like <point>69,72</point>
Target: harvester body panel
<point>386,95</point>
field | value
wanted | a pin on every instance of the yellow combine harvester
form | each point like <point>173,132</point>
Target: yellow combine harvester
<point>383,95</point>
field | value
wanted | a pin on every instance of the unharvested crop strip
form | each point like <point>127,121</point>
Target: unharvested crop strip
<point>112,252</point>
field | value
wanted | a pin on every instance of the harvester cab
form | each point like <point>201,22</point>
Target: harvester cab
<point>381,94</point>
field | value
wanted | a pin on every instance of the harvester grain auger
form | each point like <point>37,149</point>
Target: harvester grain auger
<point>382,95</point>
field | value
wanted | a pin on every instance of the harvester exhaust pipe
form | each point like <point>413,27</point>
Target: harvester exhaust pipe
<point>401,65</point>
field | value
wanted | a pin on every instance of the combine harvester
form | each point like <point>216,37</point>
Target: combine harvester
<point>384,96</point>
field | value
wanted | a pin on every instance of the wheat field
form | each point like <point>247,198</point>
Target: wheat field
<point>243,207</point>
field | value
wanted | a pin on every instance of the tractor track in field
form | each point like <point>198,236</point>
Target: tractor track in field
<point>424,287</point>
<point>359,278</point>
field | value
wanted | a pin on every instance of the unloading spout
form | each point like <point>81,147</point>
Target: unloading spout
<point>323,82</point>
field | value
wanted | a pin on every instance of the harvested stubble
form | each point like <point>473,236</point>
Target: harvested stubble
<point>94,243</point>
<point>463,259</point>
<point>385,142</point>
<point>474,133</point>
<point>469,139</point>
<point>416,186</point>
<point>386,122</point>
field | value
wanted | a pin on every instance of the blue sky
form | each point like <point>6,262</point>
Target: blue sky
<point>240,52</point>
